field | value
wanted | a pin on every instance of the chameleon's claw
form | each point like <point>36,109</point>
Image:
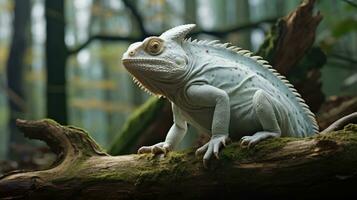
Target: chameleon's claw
<point>144,149</point>
<point>224,143</point>
<point>209,152</point>
<point>159,148</point>
<point>248,141</point>
<point>205,163</point>
<point>212,147</point>
<point>216,147</point>
<point>252,143</point>
<point>201,150</point>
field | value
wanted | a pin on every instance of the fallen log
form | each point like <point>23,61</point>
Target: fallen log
<point>323,165</point>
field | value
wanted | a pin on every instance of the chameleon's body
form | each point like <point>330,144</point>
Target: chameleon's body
<point>218,89</point>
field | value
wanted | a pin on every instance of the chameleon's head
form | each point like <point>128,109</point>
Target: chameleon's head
<point>157,62</point>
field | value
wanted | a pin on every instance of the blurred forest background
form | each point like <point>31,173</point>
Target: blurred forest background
<point>61,59</point>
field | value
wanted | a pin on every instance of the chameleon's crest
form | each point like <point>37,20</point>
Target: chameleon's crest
<point>178,32</point>
<point>262,66</point>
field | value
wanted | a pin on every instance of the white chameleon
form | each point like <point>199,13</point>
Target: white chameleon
<point>218,89</point>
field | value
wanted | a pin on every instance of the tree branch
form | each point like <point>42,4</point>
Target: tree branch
<point>319,166</point>
<point>14,97</point>
<point>225,32</point>
<point>139,19</point>
<point>220,33</point>
<point>103,38</point>
<point>344,58</point>
<point>351,3</point>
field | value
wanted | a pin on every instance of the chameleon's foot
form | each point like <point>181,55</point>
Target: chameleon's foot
<point>212,147</point>
<point>250,141</point>
<point>159,148</point>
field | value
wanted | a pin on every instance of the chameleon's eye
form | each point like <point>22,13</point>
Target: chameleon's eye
<point>154,46</point>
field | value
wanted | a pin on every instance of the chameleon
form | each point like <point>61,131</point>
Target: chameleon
<point>220,89</point>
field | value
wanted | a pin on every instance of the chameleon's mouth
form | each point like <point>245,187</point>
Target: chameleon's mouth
<point>146,64</point>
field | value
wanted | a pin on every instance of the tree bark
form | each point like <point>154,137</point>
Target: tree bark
<point>15,66</point>
<point>56,58</point>
<point>288,48</point>
<point>319,166</point>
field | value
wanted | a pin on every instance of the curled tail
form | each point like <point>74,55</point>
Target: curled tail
<point>339,124</point>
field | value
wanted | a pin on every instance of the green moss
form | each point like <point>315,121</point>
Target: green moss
<point>163,173</point>
<point>350,128</point>
<point>78,129</point>
<point>267,49</point>
<point>110,175</point>
<point>347,134</point>
<point>176,166</point>
<point>274,144</point>
<point>135,125</point>
<point>80,137</point>
<point>236,152</point>
<point>151,176</point>
<point>87,141</point>
<point>51,121</point>
<point>176,157</point>
<point>171,168</point>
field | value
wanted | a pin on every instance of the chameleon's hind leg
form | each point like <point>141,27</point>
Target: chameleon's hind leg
<point>262,105</point>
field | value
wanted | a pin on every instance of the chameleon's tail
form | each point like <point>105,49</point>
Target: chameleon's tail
<point>339,124</point>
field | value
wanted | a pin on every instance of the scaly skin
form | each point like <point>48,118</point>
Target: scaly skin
<point>223,91</point>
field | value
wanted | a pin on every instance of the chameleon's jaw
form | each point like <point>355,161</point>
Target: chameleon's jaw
<point>151,74</point>
<point>145,64</point>
<point>150,66</point>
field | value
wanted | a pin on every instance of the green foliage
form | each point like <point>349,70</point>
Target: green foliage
<point>345,26</point>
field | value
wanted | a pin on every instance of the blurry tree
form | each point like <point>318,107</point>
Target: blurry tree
<point>56,57</point>
<point>191,11</point>
<point>15,66</point>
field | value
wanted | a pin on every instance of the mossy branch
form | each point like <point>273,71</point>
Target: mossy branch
<point>282,167</point>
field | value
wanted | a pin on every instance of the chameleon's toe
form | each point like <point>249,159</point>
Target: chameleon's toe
<point>249,141</point>
<point>202,149</point>
<point>212,147</point>
<point>159,150</point>
<point>155,149</point>
<point>205,163</point>
<point>144,149</point>
<point>208,153</point>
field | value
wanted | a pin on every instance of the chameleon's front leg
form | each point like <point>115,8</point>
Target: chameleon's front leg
<point>174,136</point>
<point>209,96</point>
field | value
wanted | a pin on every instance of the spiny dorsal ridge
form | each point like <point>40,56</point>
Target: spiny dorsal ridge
<point>265,64</point>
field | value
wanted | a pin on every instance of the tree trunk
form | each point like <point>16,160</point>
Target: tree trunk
<point>319,166</point>
<point>56,57</point>
<point>15,66</point>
